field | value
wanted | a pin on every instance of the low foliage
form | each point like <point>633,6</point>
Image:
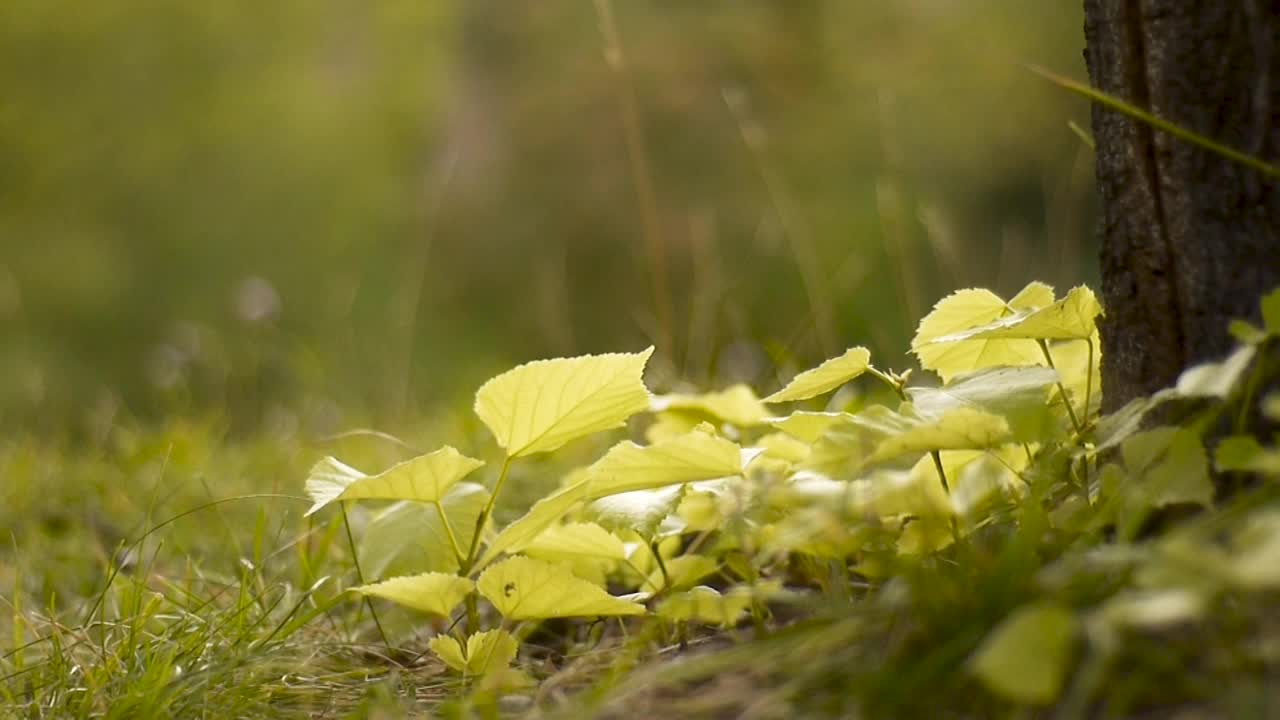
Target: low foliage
<point>731,510</point>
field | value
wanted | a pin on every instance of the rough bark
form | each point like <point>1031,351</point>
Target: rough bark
<point>1189,239</point>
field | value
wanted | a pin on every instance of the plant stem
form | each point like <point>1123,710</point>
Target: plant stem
<point>448,531</point>
<point>666,578</point>
<point>1251,389</point>
<point>942,475</point>
<point>1071,412</point>
<point>893,383</point>
<point>355,559</point>
<point>1088,383</point>
<point>470,560</point>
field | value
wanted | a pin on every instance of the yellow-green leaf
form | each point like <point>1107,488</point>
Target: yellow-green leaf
<point>539,406</point>
<point>563,542</point>
<point>522,588</point>
<point>697,455</point>
<point>967,309</point>
<point>1071,318</point>
<point>425,478</point>
<point>640,510</point>
<point>542,515</point>
<point>826,377</point>
<point>682,572</point>
<point>410,537</point>
<point>705,605</point>
<point>486,652</point>
<point>737,405</point>
<point>435,593</point>
<point>959,429</point>
<point>1216,379</point>
<point>809,426</point>
<point>1027,657</point>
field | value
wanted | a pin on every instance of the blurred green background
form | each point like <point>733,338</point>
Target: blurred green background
<point>319,215</point>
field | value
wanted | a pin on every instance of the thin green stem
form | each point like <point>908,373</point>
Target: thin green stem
<point>484,518</point>
<point>355,560</point>
<point>666,578</point>
<point>1088,383</point>
<point>448,532</point>
<point>1251,389</point>
<point>1137,113</point>
<point>942,475</point>
<point>1066,400</point>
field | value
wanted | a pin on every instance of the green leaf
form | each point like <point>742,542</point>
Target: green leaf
<point>737,405</point>
<point>1271,312</point>
<point>539,406</point>
<point>1254,562</point>
<point>1216,379</point>
<point>682,572</point>
<point>640,510</point>
<point>523,588</point>
<point>1071,318</point>
<point>1154,609</point>
<point>1244,454</point>
<point>542,515</point>
<point>1119,426</point>
<point>967,309</point>
<point>1166,466</point>
<point>487,652</point>
<point>1018,394</point>
<point>697,455</point>
<point>826,377</point>
<point>434,593</point>
<point>564,542</point>
<point>410,537</point>
<point>706,605</point>
<point>1027,657</point>
<point>809,426</point>
<point>959,429</point>
<point>425,478</point>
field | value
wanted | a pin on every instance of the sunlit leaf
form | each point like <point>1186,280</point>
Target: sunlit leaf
<point>1017,394</point>
<point>738,405</point>
<point>959,429</point>
<point>562,542</point>
<point>410,537</point>
<point>539,406</point>
<point>486,652</point>
<point>523,588</point>
<point>808,426</point>
<point>967,309</point>
<point>425,478</point>
<point>671,423</point>
<point>435,593</point>
<point>826,377</point>
<point>640,510</point>
<point>1071,318</point>
<point>542,515</point>
<point>706,605</point>
<point>682,572</point>
<point>1216,379</point>
<point>782,446</point>
<point>696,456</point>
<point>1027,657</point>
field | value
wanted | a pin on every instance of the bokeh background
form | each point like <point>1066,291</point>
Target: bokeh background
<point>308,215</point>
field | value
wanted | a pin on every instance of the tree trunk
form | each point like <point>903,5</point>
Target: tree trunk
<point>1189,239</point>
